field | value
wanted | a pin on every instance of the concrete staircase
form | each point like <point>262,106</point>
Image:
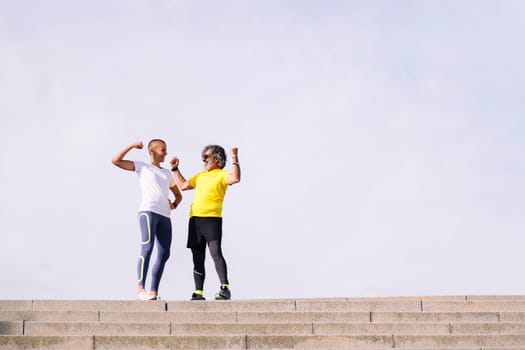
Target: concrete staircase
<point>449,322</point>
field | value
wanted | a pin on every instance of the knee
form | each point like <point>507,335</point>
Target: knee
<point>146,250</point>
<point>216,253</point>
<point>198,264</point>
<point>165,255</point>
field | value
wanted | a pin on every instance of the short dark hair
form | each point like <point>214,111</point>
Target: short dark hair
<point>217,152</point>
<point>153,141</point>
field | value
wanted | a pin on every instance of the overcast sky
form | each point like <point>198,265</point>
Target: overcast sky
<point>381,143</point>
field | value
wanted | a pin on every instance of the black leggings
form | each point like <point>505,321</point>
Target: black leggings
<point>199,256</point>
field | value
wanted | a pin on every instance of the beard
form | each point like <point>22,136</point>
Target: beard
<point>209,164</point>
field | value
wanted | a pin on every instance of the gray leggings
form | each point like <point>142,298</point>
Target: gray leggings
<point>153,227</point>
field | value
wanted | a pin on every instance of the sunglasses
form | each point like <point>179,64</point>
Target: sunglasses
<point>205,156</point>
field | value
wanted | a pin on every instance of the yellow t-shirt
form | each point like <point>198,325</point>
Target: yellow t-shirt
<point>210,189</point>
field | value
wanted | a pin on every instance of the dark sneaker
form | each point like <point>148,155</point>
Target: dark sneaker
<point>196,296</point>
<point>224,294</point>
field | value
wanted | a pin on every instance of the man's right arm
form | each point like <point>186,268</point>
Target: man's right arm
<point>118,159</point>
<point>181,181</point>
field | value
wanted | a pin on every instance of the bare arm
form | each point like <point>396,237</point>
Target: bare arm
<point>178,197</point>
<point>235,175</point>
<point>118,159</point>
<point>181,181</point>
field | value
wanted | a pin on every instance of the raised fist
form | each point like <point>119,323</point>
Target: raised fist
<point>174,162</point>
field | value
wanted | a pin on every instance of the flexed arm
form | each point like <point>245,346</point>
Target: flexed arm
<point>118,159</point>
<point>235,175</point>
<point>181,181</point>
<point>178,197</point>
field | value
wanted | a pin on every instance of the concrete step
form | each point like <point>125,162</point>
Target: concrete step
<point>512,316</point>
<point>122,342</point>
<point>96,328</point>
<point>407,304</point>
<point>437,317</point>
<point>428,322</point>
<point>358,305</point>
<point>10,342</point>
<point>265,342</point>
<point>51,316</point>
<point>99,305</point>
<point>16,305</point>
<point>298,316</point>
<point>237,305</point>
<point>384,341</point>
<point>167,316</point>
<point>274,317</point>
<point>298,305</point>
<point>11,327</point>
<point>232,316</point>
<point>197,342</point>
<point>221,328</point>
<point>454,341</point>
<point>474,306</point>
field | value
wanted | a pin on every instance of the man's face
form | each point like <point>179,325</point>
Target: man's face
<point>210,162</point>
<point>159,151</point>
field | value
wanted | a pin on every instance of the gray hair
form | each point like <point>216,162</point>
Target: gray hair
<point>217,152</point>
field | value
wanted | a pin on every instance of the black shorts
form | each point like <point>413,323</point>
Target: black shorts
<point>202,230</point>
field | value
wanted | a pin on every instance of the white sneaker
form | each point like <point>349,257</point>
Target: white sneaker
<point>146,296</point>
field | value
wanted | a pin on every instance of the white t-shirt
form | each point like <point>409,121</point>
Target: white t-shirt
<point>155,184</point>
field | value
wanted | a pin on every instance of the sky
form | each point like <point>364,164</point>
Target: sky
<point>380,142</point>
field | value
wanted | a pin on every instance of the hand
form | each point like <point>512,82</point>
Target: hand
<point>234,151</point>
<point>138,145</point>
<point>174,162</point>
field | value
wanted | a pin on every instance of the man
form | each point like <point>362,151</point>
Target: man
<point>205,224</point>
<point>154,213</point>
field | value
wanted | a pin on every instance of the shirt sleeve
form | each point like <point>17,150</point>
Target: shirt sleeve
<point>138,165</point>
<point>193,181</point>
<point>225,175</point>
